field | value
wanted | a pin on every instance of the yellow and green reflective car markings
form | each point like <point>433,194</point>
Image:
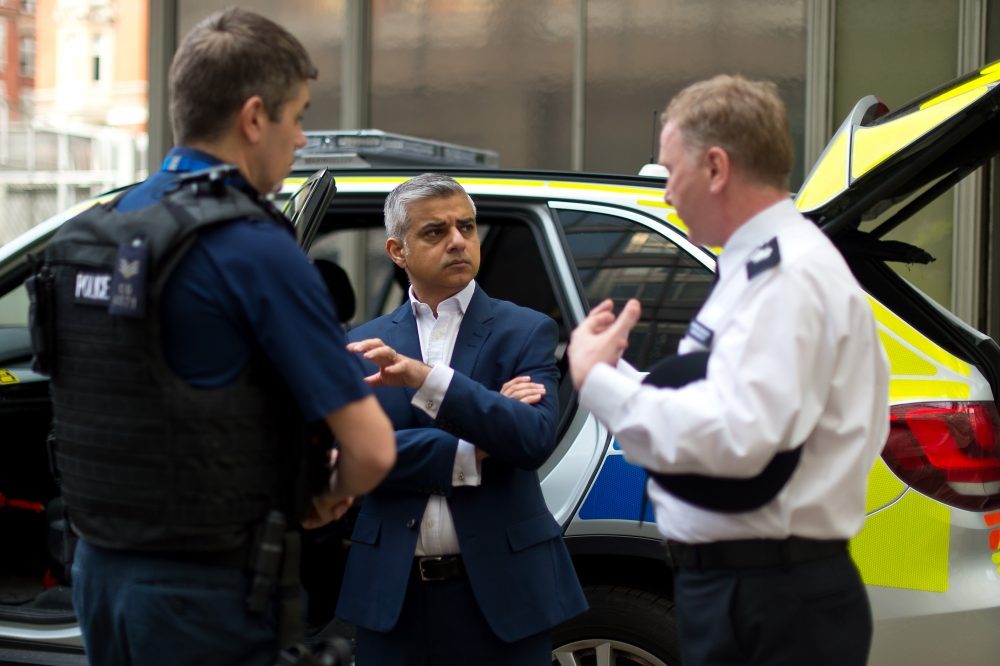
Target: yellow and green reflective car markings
<point>905,545</point>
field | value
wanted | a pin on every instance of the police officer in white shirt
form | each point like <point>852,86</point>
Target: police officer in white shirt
<point>759,465</point>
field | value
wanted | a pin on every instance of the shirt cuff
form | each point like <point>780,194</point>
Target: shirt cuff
<point>429,396</point>
<point>630,371</point>
<point>606,391</point>
<point>466,471</point>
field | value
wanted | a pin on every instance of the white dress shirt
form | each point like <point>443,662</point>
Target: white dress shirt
<point>437,342</point>
<point>795,357</point>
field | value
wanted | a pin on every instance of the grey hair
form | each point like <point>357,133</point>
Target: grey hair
<point>418,188</point>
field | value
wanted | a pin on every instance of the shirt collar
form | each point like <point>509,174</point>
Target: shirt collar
<point>184,159</point>
<point>458,303</point>
<point>756,231</point>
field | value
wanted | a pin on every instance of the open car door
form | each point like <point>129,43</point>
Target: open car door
<point>306,207</point>
<point>878,158</point>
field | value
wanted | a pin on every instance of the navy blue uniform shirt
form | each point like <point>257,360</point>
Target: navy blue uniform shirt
<point>247,286</point>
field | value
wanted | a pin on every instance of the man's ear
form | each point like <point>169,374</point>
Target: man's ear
<point>394,248</point>
<point>251,118</point>
<point>719,169</point>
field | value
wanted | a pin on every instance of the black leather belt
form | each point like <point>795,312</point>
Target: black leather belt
<point>236,558</point>
<point>752,553</point>
<point>439,567</point>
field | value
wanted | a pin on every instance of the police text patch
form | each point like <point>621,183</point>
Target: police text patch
<point>765,257</point>
<point>92,288</point>
<point>701,333</point>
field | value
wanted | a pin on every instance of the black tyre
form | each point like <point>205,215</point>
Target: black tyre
<point>624,626</point>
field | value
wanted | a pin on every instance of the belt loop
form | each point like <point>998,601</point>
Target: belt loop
<point>785,553</point>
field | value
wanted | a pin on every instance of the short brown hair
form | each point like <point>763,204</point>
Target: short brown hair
<point>225,60</point>
<point>745,118</point>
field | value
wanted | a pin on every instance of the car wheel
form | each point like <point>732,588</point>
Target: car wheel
<point>624,626</point>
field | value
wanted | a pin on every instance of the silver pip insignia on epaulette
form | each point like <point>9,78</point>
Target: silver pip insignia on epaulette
<point>700,333</point>
<point>764,257</point>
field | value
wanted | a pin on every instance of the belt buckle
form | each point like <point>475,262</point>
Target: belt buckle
<point>424,576</point>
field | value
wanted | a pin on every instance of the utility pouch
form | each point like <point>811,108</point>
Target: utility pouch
<point>291,625</point>
<point>41,316</point>
<point>275,567</point>
<point>50,449</point>
<point>62,540</point>
<point>265,565</point>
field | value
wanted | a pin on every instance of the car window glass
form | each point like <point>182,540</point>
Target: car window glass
<point>621,259</point>
<point>930,229</point>
<point>511,265</point>
<point>14,307</point>
<point>294,204</point>
<point>360,252</point>
<point>512,269</point>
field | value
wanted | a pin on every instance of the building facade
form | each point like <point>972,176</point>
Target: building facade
<point>578,84</point>
<point>92,67</point>
<point>17,58</point>
<point>73,104</point>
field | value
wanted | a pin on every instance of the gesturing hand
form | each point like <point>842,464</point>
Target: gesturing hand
<point>331,504</point>
<point>600,338</point>
<point>395,369</point>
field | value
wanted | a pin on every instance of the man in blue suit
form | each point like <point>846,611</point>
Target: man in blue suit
<point>455,558</point>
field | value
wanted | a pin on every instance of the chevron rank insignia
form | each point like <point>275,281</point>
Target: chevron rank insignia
<point>128,282</point>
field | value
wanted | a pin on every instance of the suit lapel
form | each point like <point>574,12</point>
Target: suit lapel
<point>472,334</point>
<point>403,337</point>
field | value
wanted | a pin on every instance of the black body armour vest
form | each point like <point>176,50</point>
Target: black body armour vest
<point>146,461</point>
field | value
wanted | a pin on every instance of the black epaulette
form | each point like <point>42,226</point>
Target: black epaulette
<point>765,257</point>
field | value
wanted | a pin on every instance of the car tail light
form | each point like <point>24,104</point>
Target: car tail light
<point>948,451</point>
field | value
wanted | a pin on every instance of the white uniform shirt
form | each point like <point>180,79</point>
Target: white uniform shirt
<point>795,357</point>
<point>437,342</point>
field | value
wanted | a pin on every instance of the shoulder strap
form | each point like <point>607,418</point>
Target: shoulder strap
<point>720,494</point>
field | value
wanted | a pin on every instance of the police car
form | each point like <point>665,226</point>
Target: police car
<point>559,242</point>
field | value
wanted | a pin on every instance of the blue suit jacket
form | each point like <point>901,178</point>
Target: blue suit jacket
<point>518,566</point>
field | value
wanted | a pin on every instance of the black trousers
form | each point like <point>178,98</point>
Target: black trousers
<point>441,625</point>
<point>810,613</point>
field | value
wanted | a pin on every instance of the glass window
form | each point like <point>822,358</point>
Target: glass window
<point>992,184</point>
<point>14,308</point>
<point>492,74</point>
<point>377,287</point>
<point>96,54</point>
<point>621,259</point>
<point>318,24</point>
<point>28,55</point>
<point>641,52</point>
<point>354,239</point>
<point>923,55</point>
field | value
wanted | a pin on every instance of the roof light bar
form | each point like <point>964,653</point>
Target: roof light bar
<point>375,148</point>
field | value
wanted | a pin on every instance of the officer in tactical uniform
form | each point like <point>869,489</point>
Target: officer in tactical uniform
<point>189,339</point>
